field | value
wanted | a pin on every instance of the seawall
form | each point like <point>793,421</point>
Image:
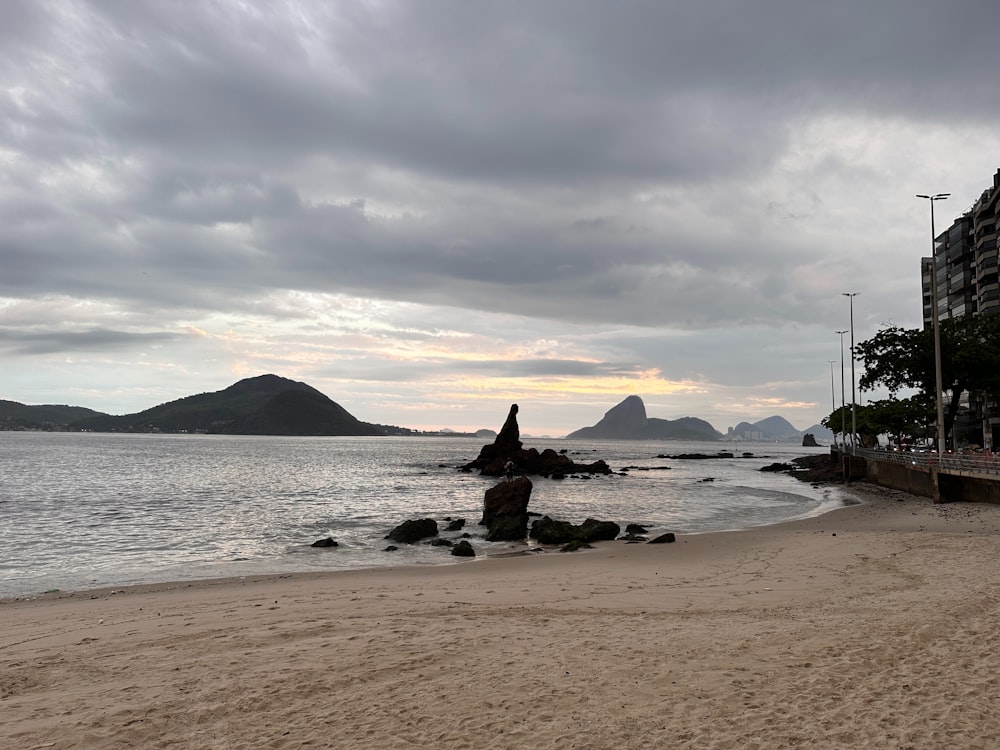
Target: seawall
<point>924,480</point>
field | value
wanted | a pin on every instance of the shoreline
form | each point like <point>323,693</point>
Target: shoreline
<point>850,496</point>
<point>278,564</point>
<point>870,625</point>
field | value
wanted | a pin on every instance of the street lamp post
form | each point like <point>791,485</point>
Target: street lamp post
<point>843,416</point>
<point>854,416</point>
<point>938,398</point>
<point>833,398</point>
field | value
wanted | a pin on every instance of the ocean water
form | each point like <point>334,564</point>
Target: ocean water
<point>85,510</point>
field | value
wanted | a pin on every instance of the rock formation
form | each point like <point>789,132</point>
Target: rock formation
<point>505,510</point>
<point>410,532</point>
<point>506,499</point>
<point>668,538</point>
<point>508,446</point>
<point>548,531</point>
<point>463,549</point>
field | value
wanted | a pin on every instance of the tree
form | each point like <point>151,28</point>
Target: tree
<point>902,418</point>
<point>897,418</point>
<point>899,358</point>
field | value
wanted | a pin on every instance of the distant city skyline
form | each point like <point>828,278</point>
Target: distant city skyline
<point>431,211</point>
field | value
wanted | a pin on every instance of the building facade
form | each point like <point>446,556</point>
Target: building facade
<point>966,264</point>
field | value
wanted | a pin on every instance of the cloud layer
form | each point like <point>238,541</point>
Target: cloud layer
<point>431,210</point>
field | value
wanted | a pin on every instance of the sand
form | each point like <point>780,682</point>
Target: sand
<point>874,626</point>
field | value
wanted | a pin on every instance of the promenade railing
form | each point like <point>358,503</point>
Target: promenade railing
<point>985,464</point>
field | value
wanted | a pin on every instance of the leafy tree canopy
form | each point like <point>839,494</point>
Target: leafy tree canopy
<point>897,418</point>
<point>898,358</point>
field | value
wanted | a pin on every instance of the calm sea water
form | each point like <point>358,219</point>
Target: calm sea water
<point>87,510</point>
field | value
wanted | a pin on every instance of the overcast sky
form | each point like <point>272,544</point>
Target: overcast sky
<point>431,210</point>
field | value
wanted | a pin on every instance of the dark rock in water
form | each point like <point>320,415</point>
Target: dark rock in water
<point>707,479</point>
<point>507,443</point>
<point>548,531</point>
<point>634,528</point>
<point>818,468</point>
<point>593,530</point>
<point>664,538</point>
<point>809,441</point>
<point>328,542</point>
<point>509,438</point>
<point>410,532</point>
<point>457,525</point>
<point>507,530</point>
<point>391,548</point>
<point>700,456</point>
<point>439,542</point>
<point>777,467</point>
<point>463,549</point>
<point>493,457</point>
<point>505,510</point>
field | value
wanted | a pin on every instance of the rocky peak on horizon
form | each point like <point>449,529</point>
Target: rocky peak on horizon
<point>628,421</point>
<point>624,419</point>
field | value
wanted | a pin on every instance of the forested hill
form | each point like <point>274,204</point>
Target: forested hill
<point>15,416</point>
<point>263,405</point>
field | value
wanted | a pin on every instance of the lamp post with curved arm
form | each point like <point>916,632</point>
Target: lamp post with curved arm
<point>854,416</point>
<point>938,397</point>
<point>833,398</point>
<point>843,416</point>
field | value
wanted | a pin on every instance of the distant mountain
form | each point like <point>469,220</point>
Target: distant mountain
<point>819,432</point>
<point>17,416</point>
<point>772,428</point>
<point>776,429</point>
<point>628,421</point>
<point>264,405</point>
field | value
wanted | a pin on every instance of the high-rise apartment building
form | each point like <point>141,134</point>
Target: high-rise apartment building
<point>966,258</point>
<point>966,255</point>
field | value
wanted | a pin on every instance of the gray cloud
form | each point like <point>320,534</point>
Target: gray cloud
<point>721,167</point>
<point>95,340</point>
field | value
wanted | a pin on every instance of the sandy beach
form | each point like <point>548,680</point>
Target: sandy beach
<point>876,626</point>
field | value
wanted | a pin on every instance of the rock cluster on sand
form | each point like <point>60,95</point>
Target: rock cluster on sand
<point>548,531</point>
<point>411,532</point>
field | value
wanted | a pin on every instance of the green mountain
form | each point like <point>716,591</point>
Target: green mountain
<point>17,416</point>
<point>264,405</point>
